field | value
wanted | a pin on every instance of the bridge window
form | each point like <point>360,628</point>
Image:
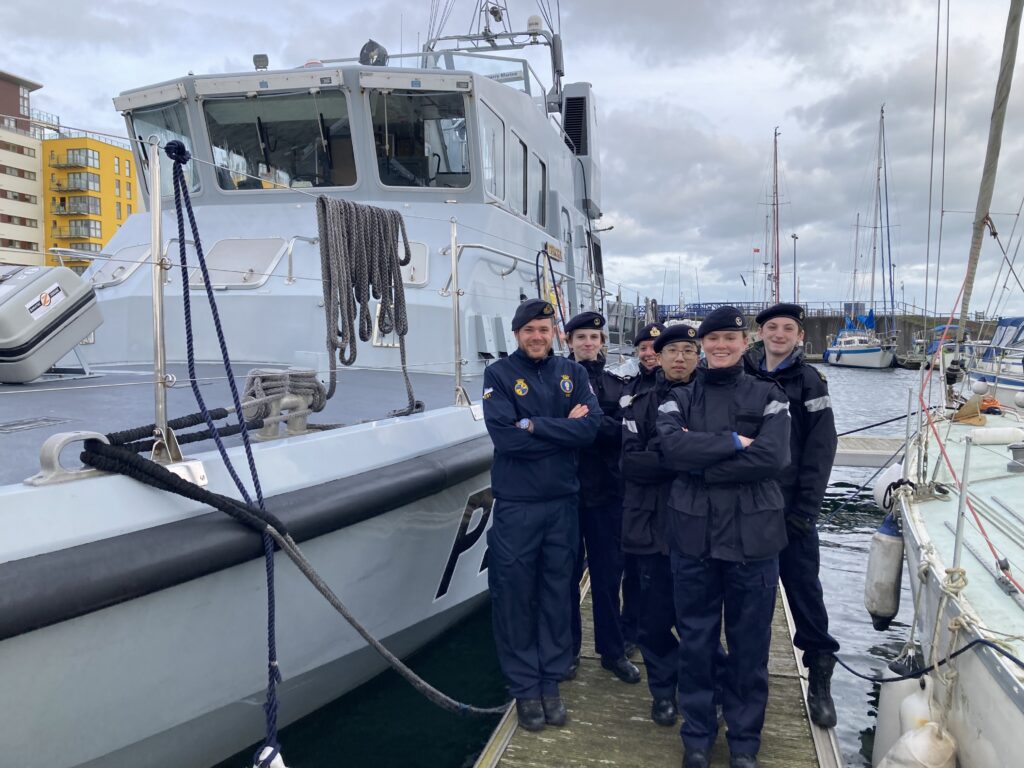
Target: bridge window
<point>537,182</point>
<point>169,123</point>
<point>420,138</point>
<point>492,138</point>
<point>517,175</point>
<point>287,140</point>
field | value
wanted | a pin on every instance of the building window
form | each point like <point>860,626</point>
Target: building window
<point>83,181</point>
<point>117,210</point>
<point>20,221</point>
<point>127,167</point>
<point>86,228</point>
<point>128,190</point>
<point>129,209</point>
<point>117,187</point>
<point>538,182</point>
<point>19,197</point>
<point>21,245</point>
<point>23,103</point>
<point>82,204</point>
<point>517,175</point>
<point>117,164</point>
<point>90,247</point>
<point>87,157</point>
<point>17,149</point>
<point>19,172</point>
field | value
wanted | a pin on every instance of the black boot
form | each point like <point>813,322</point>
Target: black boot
<point>743,761</point>
<point>531,714</point>
<point>663,712</point>
<point>554,710</point>
<point>819,691</point>
<point>622,668</point>
<point>696,758</point>
<point>574,667</point>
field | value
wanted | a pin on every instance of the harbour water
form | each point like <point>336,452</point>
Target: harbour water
<point>385,724</point>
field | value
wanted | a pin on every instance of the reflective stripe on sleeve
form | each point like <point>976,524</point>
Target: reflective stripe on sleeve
<point>669,406</point>
<point>818,404</point>
<point>776,406</point>
<point>630,425</point>
<point>625,400</point>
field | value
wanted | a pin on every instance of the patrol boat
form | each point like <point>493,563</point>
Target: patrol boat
<point>956,516</point>
<point>133,621</point>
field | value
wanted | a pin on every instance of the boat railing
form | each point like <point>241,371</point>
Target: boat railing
<point>516,261</point>
<point>290,280</point>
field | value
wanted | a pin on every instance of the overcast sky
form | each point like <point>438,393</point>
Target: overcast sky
<point>689,95</point>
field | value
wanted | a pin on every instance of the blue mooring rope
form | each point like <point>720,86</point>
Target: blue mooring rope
<point>177,152</point>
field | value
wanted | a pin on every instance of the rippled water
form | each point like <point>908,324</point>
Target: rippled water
<point>385,724</point>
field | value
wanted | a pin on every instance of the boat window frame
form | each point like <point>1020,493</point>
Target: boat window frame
<point>472,138</point>
<point>504,142</point>
<point>142,158</point>
<point>346,95</point>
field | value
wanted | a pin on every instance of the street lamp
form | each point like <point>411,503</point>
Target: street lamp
<point>795,238</point>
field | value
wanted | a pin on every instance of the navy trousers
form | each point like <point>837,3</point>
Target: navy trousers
<point>601,533</point>
<point>798,567</point>
<point>630,598</point>
<point>656,620</point>
<point>702,587</point>
<point>530,560</point>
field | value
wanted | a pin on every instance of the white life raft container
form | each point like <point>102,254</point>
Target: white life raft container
<point>44,313</point>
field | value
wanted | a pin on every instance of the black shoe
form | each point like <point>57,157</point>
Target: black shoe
<point>663,712</point>
<point>531,714</point>
<point>743,761</point>
<point>554,710</point>
<point>629,649</point>
<point>574,667</point>
<point>623,669</point>
<point>696,758</point>
<point>819,691</point>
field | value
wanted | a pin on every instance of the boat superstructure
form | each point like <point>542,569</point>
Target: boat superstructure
<point>144,643</point>
<point>1000,364</point>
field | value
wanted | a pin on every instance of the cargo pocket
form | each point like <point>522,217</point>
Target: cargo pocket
<point>762,521</point>
<point>688,519</point>
<point>638,529</point>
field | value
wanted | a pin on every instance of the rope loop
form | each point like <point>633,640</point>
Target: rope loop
<point>175,150</point>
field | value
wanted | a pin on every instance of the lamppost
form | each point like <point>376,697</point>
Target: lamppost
<point>795,238</point>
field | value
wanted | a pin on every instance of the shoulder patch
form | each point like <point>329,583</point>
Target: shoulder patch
<point>820,374</point>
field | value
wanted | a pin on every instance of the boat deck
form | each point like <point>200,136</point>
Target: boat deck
<point>609,722</point>
<point>122,398</point>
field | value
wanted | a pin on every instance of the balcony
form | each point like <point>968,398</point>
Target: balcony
<point>67,161</point>
<point>75,206</point>
<point>66,233</point>
<point>63,186</point>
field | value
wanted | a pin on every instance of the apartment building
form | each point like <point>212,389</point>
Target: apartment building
<point>21,206</point>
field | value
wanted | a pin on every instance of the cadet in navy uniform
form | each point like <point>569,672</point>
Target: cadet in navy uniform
<point>600,508</point>
<point>647,483</point>
<point>633,381</point>
<point>812,446</point>
<point>539,410</point>
<point>727,438</point>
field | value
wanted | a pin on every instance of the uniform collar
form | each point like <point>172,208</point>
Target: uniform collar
<point>716,376</point>
<point>527,360</point>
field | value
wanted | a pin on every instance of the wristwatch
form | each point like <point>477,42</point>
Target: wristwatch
<point>523,423</point>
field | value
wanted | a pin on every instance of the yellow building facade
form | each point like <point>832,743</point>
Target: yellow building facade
<point>90,188</point>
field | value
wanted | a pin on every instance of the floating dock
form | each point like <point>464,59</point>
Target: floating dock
<point>610,725</point>
<point>855,451</point>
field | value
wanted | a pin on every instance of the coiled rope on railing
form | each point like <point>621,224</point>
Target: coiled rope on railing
<point>359,259</point>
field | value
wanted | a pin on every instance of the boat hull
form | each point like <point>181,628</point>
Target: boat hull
<point>869,357</point>
<point>176,676</point>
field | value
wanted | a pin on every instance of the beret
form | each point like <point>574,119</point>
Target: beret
<point>724,318</point>
<point>529,310</point>
<point>794,311</point>
<point>585,320</point>
<point>649,332</point>
<point>674,333</point>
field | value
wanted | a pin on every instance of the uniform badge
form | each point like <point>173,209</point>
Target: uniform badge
<point>488,391</point>
<point>739,322</point>
<point>597,322</point>
<point>655,332</point>
<point>548,309</point>
<point>521,388</point>
<point>565,385</point>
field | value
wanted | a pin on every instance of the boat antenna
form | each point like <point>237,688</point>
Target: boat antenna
<point>776,266</point>
<point>995,139</point>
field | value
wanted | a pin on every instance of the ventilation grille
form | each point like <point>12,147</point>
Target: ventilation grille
<point>575,124</point>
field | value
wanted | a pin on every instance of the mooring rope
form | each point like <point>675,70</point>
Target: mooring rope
<point>359,258</point>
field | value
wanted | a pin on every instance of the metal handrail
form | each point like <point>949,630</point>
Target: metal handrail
<point>290,280</point>
<point>487,249</point>
<point>461,396</point>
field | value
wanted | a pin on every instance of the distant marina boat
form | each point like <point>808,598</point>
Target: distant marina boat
<point>859,348</point>
<point>1000,363</point>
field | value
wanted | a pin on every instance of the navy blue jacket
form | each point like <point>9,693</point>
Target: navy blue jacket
<point>812,435</point>
<point>540,466</point>
<point>647,480</point>
<point>600,480</point>
<point>725,501</point>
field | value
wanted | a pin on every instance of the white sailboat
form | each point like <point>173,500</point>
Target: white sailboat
<point>957,499</point>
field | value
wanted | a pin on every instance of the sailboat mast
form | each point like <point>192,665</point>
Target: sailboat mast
<point>877,214</point>
<point>888,233</point>
<point>776,263</point>
<point>995,140</point>
<point>856,258</point>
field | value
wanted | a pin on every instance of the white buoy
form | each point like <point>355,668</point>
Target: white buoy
<point>884,574</point>
<point>929,746</point>
<point>887,728</point>
<point>979,387</point>
<point>916,709</point>
<point>277,762</point>
<point>887,478</point>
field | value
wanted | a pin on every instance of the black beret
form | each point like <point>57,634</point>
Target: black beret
<point>585,320</point>
<point>674,333</point>
<point>794,311</point>
<point>649,332</point>
<point>529,310</point>
<point>722,319</point>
